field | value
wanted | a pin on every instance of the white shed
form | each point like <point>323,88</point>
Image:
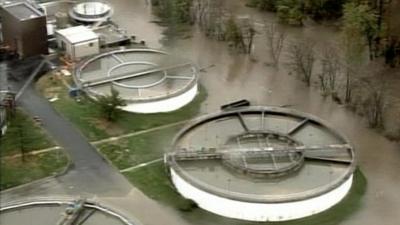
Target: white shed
<point>78,41</point>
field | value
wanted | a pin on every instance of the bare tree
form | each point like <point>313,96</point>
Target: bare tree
<point>301,59</point>
<point>209,15</point>
<point>351,80</point>
<point>275,42</point>
<point>331,68</point>
<point>248,31</point>
<point>373,92</point>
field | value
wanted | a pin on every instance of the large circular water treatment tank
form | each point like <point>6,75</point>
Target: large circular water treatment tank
<point>149,80</point>
<point>261,164</point>
<point>91,11</point>
<point>50,211</point>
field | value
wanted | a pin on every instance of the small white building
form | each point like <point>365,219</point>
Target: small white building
<point>78,42</point>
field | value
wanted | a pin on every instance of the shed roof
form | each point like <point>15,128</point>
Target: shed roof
<point>77,34</point>
<point>23,11</point>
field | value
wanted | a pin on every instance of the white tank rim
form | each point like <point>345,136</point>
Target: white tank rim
<point>247,197</point>
<point>261,212</point>
<point>163,105</point>
<point>74,14</point>
<point>185,94</point>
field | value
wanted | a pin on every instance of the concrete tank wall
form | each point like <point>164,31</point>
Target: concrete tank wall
<point>260,211</point>
<point>164,105</point>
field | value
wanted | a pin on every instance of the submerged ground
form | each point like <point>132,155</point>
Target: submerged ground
<point>378,158</point>
<point>230,77</point>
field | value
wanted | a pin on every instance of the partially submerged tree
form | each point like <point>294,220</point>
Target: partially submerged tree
<point>301,59</point>
<point>248,32</point>
<point>109,105</point>
<point>209,16</point>
<point>330,71</point>
<point>290,12</point>
<point>316,9</point>
<point>373,94</point>
<point>359,28</point>
<point>275,42</point>
<point>240,32</point>
<point>375,102</point>
<point>233,34</point>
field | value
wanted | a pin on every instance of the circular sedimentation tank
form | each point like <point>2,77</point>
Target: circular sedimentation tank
<point>261,164</point>
<point>61,211</point>
<point>91,11</point>
<point>149,80</point>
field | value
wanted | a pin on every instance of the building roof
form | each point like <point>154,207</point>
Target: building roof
<point>23,11</point>
<point>77,34</point>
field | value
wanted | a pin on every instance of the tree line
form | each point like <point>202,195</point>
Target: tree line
<point>349,71</point>
<point>377,22</point>
<point>211,17</point>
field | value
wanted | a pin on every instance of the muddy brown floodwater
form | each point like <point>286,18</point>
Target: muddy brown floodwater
<point>235,76</point>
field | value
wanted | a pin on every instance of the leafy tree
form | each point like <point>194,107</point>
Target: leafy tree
<point>181,10</point>
<point>269,5</point>
<point>323,9</point>
<point>391,24</point>
<point>359,27</point>
<point>173,11</point>
<point>109,105</point>
<point>290,11</point>
<point>293,11</point>
<point>233,33</point>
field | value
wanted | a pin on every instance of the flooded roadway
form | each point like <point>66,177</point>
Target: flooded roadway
<point>236,77</point>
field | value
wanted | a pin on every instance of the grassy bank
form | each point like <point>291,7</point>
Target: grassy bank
<point>15,171</point>
<point>23,135</point>
<point>133,151</point>
<point>85,114</point>
<point>17,165</point>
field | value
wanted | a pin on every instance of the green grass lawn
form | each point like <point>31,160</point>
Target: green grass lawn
<point>135,150</point>
<point>23,135</point>
<point>15,171</point>
<point>86,116</point>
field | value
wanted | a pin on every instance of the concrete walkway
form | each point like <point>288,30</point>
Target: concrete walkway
<point>36,152</point>
<point>141,165</point>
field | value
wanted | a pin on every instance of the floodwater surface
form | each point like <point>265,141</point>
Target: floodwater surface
<point>231,76</point>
